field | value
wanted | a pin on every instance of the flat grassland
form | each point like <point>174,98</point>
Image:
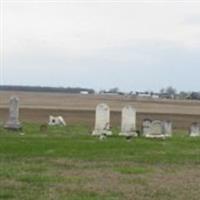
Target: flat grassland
<point>66,163</point>
<point>36,107</point>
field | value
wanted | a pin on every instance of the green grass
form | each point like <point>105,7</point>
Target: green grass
<point>75,142</point>
<point>133,170</point>
<point>68,163</point>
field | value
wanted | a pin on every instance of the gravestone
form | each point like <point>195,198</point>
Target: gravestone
<point>146,127</point>
<point>167,128</point>
<point>157,129</point>
<point>128,123</point>
<point>58,120</point>
<point>102,120</point>
<point>194,130</point>
<point>13,120</point>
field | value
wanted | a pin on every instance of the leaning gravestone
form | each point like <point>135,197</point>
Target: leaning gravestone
<point>194,130</point>
<point>128,124</point>
<point>13,120</point>
<point>102,120</point>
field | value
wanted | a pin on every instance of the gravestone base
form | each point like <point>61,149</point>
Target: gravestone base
<point>194,134</point>
<point>127,134</point>
<point>160,136</point>
<point>13,126</point>
<point>168,135</point>
<point>101,132</point>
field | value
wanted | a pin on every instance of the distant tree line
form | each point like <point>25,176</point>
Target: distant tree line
<point>172,92</point>
<point>164,93</point>
<point>74,90</point>
<point>114,90</point>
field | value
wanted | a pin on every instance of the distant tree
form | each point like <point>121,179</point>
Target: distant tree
<point>171,91</point>
<point>168,90</point>
<point>114,90</point>
<point>73,90</point>
<point>102,91</point>
<point>195,95</point>
<point>162,90</point>
<point>184,95</point>
<point>130,93</point>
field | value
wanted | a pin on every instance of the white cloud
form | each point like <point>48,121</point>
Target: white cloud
<point>82,28</point>
<point>92,36</point>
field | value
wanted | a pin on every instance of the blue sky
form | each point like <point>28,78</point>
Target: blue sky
<point>133,45</point>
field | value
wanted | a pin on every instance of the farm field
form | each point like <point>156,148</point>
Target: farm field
<point>44,100</point>
<point>67,163</point>
<point>36,107</point>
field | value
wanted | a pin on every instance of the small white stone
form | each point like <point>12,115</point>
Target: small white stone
<point>58,120</point>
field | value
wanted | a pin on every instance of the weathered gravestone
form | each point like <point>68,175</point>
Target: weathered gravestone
<point>13,120</point>
<point>157,129</point>
<point>146,127</point>
<point>167,128</point>
<point>194,130</point>
<point>102,120</point>
<point>128,123</point>
<point>58,120</point>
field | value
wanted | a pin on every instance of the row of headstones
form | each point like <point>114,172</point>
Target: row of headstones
<point>151,129</point>
<point>154,129</point>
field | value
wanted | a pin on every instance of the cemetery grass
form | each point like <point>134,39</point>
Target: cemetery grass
<point>67,163</point>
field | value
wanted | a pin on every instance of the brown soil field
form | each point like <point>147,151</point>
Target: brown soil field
<point>77,108</point>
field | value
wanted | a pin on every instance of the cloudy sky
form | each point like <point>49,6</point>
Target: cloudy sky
<point>133,45</point>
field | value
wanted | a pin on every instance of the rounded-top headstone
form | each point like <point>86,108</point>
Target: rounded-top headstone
<point>146,127</point>
<point>102,120</point>
<point>128,121</point>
